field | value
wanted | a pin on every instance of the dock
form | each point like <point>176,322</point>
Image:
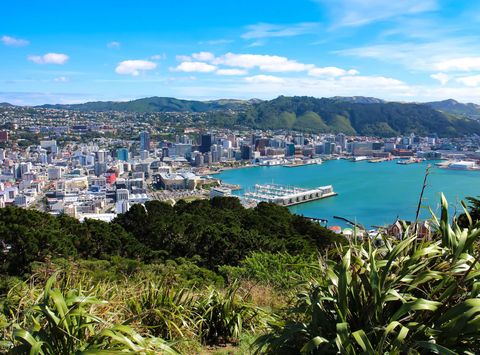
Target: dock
<point>350,222</point>
<point>288,195</point>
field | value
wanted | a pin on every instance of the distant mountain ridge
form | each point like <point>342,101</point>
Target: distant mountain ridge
<point>170,104</point>
<point>456,108</point>
<point>156,104</point>
<point>352,115</point>
<point>311,114</point>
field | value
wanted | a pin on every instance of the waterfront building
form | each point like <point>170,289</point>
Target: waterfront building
<point>329,148</point>
<point>289,149</point>
<point>246,152</point>
<point>341,141</point>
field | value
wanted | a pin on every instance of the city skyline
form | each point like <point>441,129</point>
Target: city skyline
<point>406,51</point>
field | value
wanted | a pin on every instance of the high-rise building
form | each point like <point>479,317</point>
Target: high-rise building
<point>216,153</point>
<point>183,150</point>
<point>100,168</point>
<point>206,143</point>
<point>329,148</point>
<point>101,156</point>
<point>144,141</point>
<point>289,149</point>
<point>122,154</point>
<point>341,141</point>
<point>246,152</point>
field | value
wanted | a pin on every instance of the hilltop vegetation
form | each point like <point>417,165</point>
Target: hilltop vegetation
<point>375,118</point>
<point>456,108</point>
<point>156,104</point>
<point>380,296</point>
<point>351,115</point>
<point>160,232</point>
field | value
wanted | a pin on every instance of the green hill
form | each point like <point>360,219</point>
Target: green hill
<point>156,104</point>
<point>375,118</point>
<point>351,115</point>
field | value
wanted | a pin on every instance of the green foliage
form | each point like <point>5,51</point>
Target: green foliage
<point>223,316</point>
<point>158,232</point>
<point>376,118</point>
<point>282,271</point>
<point>188,230</point>
<point>411,296</point>
<point>286,120</point>
<point>341,124</point>
<point>310,122</point>
<point>66,323</point>
<point>473,212</point>
<point>166,311</point>
<point>156,104</point>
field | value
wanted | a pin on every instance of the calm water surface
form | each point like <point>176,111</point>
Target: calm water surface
<point>371,194</point>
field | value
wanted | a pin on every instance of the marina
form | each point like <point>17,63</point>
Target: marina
<point>287,195</point>
<point>369,194</point>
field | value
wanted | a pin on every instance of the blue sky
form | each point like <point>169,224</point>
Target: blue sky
<point>77,51</point>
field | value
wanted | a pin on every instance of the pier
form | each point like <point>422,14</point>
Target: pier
<point>288,195</point>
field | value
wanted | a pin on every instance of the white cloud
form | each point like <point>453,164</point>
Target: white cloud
<point>459,64</point>
<point>470,81</point>
<point>233,71</point>
<point>49,58</point>
<point>14,42</point>
<point>331,72</point>
<point>203,56</point>
<point>442,78</point>
<point>61,79</point>
<point>113,44</point>
<point>266,30</point>
<point>191,67</point>
<point>268,63</point>
<point>134,67</point>
<point>162,56</point>
<point>426,56</point>
<point>264,79</point>
<point>363,12</point>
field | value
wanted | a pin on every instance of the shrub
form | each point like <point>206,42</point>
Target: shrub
<point>411,296</point>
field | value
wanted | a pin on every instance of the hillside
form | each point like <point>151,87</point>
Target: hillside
<point>351,115</point>
<point>332,115</point>
<point>456,108</point>
<point>156,104</point>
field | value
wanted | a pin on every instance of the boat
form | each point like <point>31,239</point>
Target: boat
<point>409,161</point>
<point>359,158</point>
<point>377,160</point>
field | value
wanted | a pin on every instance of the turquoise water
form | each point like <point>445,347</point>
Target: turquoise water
<point>371,194</point>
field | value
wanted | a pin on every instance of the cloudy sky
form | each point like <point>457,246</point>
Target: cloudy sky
<point>75,51</point>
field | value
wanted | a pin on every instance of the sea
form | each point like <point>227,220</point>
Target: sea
<point>371,194</point>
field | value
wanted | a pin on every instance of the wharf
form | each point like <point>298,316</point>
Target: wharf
<point>288,195</point>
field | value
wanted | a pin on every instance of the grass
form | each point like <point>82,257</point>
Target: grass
<point>405,296</point>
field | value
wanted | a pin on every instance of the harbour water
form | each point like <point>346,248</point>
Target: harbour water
<point>370,194</point>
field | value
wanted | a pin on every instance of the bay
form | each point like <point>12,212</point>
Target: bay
<point>370,194</point>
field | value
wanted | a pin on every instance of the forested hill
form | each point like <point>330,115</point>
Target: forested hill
<point>375,118</point>
<point>351,115</point>
<point>157,104</point>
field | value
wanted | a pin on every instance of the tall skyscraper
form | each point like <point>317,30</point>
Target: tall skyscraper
<point>206,143</point>
<point>144,141</point>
